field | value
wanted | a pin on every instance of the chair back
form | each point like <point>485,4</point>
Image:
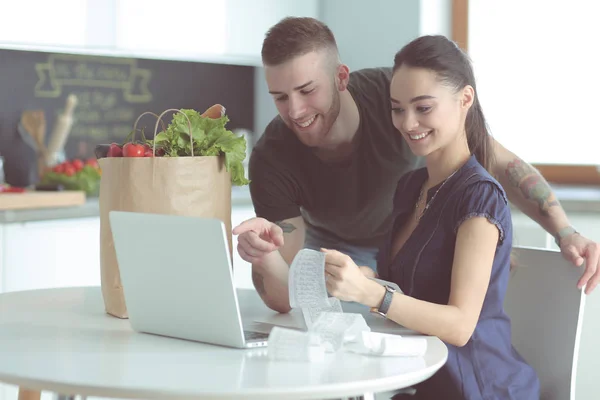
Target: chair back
<point>546,312</point>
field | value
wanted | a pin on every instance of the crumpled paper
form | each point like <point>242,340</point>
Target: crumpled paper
<point>333,332</point>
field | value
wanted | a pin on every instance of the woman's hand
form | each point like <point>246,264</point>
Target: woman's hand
<point>344,279</point>
<point>368,272</point>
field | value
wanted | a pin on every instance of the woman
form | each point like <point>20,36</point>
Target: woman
<point>449,249</point>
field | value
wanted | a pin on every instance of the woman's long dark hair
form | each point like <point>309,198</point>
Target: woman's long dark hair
<point>453,67</point>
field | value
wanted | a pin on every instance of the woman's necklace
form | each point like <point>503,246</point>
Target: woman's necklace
<point>418,215</point>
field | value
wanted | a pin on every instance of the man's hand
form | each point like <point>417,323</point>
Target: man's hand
<point>257,238</point>
<point>577,249</point>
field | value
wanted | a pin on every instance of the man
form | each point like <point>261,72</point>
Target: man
<point>324,172</point>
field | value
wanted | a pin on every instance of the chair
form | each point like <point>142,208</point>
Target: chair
<point>546,312</point>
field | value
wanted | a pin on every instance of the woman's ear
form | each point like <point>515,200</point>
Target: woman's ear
<point>467,97</point>
<point>342,77</point>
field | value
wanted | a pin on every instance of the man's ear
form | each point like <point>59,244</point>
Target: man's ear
<point>467,97</point>
<point>342,77</point>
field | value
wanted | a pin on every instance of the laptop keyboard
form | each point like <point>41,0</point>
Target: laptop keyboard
<point>251,335</point>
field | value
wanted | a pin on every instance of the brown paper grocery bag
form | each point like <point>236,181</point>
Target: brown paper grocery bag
<point>197,186</point>
<point>191,186</point>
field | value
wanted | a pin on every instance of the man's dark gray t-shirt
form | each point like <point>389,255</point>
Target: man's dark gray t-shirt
<point>352,200</point>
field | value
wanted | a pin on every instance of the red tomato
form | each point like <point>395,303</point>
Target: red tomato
<point>92,162</point>
<point>133,150</point>
<point>114,151</point>
<point>77,164</point>
<point>69,170</point>
<point>11,189</point>
<point>59,169</point>
<point>148,153</point>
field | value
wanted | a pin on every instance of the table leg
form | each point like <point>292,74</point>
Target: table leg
<point>26,394</point>
<point>69,397</point>
<point>366,396</point>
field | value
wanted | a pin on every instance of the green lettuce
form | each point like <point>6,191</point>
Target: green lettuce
<point>210,138</point>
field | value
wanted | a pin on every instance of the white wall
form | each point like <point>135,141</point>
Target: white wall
<point>370,32</point>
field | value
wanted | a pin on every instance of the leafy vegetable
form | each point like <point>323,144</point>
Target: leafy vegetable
<point>87,179</point>
<point>210,138</point>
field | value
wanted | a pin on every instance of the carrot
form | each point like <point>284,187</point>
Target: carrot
<point>214,112</point>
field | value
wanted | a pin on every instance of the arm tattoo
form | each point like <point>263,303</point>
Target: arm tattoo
<point>532,185</point>
<point>259,282</point>
<point>286,227</point>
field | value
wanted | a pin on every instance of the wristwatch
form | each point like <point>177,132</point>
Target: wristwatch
<point>386,302</point>
<point>564,232</point>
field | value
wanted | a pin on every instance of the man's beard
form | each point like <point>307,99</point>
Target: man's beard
<point>332,114</point>
<point>328,120</point>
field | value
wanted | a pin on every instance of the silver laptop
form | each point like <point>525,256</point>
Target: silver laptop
<point>177,278</point>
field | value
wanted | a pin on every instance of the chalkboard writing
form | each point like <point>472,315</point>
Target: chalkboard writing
<point>111,93</point>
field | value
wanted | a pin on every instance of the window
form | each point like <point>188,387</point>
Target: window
<point>536,64</point>
<point>44,23</point>
<point>175,27</point>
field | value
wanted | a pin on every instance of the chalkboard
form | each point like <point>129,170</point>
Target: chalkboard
<point>112,92</point>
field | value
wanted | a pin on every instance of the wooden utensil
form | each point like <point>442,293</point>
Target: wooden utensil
<point>61,130</point>
<point>34,122</point>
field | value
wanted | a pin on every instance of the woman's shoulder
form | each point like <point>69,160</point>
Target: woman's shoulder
<point>479,194</point>
<point>476,180</point>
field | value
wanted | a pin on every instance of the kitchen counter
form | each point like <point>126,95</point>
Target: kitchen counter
<point>240,196</point>
<point>574,199</point>
<point>578,199</point>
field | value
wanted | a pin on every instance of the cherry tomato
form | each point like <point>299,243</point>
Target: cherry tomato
<point>77,164</point>
<point>133,150</point>
<point>11,189</point>
<point>114,151</point>
<point>69,170</point>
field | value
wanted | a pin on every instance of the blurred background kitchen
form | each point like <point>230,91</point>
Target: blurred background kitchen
<point>76,73</point>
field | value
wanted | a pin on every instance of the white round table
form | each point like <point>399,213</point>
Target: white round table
<point>61,340</point>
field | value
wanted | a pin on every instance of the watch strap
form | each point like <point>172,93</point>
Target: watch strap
<point>387,301</point>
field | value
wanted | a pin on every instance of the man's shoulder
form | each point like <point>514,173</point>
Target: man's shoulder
<point>384,73</point>
<point>370,88</point>
<point>375,78</point>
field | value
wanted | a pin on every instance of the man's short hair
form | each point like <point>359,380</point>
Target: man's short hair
<point>295,36</point>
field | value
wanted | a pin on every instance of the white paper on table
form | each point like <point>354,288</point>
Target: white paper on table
<point>312,313</point>
<point>335,328</point>
<point>306,280</point>
<point>329,328</point>
<point>292,320</point>
<point>383,344</point>
<point>291,345</point>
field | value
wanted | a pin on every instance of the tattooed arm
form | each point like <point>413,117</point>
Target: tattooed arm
<point>527,189</point>
<point>270,248</point>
